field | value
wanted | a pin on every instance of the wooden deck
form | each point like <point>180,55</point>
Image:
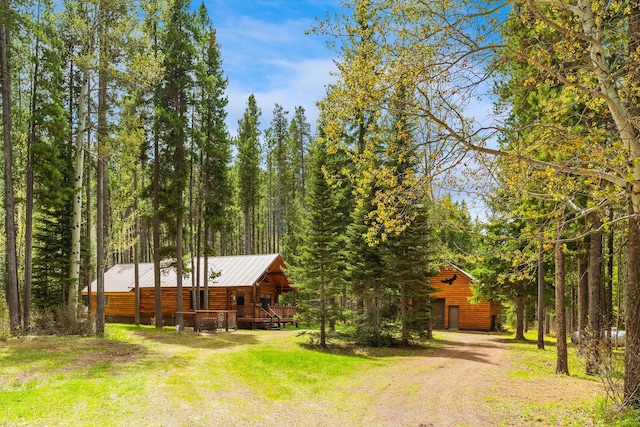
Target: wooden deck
<point>254,317</point>
<point>273,317</point>
<point>265,322</point>
<point>211,319</point>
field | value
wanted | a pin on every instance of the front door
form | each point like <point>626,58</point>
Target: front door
<point>454,317</point>
<point>265,301</point>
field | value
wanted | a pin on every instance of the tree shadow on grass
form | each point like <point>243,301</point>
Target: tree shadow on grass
<point>514,341</point>
<point>434,348</point>
<point>68,355</point>
<point>196,340</point>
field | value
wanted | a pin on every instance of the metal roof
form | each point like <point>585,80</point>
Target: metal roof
<point>242,270</point>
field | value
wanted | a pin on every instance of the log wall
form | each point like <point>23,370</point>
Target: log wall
<point>471,316</point>
<point>122,304</point>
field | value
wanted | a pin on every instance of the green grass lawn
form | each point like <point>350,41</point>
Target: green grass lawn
<point>529,363</point>
<point>145,376</point>
<point>141,370</point>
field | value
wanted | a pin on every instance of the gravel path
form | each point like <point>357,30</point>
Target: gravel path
<point>465,383</point>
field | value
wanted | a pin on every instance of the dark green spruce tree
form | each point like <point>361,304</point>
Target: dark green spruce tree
<point>174,98</point>
<point>319,268</point>
<point>298,137</point>
<point>214,139</point>
<point>213,142</point>
<point>409,255</point>
<point>52,168</point>
<point>248,168</point>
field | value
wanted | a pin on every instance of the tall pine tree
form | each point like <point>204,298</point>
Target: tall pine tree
<point>319,266</point>
<point>248,165</point>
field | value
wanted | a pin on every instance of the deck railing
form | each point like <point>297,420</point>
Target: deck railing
<point>284,311</point>
<point>256,311</point>
<point>212,319</point>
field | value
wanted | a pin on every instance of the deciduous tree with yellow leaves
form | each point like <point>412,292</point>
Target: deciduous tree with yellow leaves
<point>445,52</point>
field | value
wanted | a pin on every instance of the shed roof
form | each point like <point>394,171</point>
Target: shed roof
<point>455,267</point>
<point>241,270</point>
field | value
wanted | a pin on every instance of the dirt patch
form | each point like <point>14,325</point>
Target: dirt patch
<point>105,352</point>
<point>466,382</point>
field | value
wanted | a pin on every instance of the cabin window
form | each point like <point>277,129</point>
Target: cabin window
<point>265,300</point>
<point>192,303</point>
<point>106,300</point>
<point>240,298</point>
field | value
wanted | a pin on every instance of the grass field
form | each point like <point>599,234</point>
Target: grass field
<point>145,376</point>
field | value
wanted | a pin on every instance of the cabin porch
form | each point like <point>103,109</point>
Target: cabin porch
<point>256,317</point>
<point>259,316</point>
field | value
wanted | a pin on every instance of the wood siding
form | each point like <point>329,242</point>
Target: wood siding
<point>122,304</point>
<point>471,316</point>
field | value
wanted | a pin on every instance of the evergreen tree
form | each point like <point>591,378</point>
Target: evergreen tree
<point>319,267</point>
<point>211,130</point>
<point>214,144</point>
<point>52,169</point>
<point>7,23</point>
<point>280,165</point>
<point>457,232</point>
<point>298,137</point>
<point>248,165</point>
<point>174,93</point>
<point>409,254</point>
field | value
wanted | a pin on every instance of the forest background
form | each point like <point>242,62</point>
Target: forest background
<point>116,149</point>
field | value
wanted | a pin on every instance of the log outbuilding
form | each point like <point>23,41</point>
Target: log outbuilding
<point>452,307</point>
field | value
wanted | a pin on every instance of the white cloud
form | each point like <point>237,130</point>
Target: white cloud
<point>289,84</point>
<point>266,52</point>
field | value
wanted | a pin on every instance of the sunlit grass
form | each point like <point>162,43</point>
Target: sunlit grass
<point>88,381</point>
<point>530,363</point>
<point>145,376</point>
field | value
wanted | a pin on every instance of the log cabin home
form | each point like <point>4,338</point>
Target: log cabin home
<point>451,306</point>
<point>245,293</point>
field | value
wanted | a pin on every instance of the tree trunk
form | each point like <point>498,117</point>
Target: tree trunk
<point>520,312</point>
<point>594,330</point>
<point>403,314</point>
<point>88,226</point>
<point>74,274</point>
<point>583,293</point>
<point>608,289</point>
<point>11,255</point>
<point>541,297</point>
<point>28,232</point>
<point>156,231</point>
<point>101,176</point>
<point>198,252</point>
<point>562,365</point>
<point>179,243</point>
<point>632,351</point>
<point>323,312</point>
<point>205,280</point>
<point>136,251</point>
<point>632,321</point>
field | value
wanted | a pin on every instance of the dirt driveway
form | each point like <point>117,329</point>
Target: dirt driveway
<point>467,383</point>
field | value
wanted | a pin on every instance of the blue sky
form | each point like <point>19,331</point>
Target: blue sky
<point>265,52</point>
